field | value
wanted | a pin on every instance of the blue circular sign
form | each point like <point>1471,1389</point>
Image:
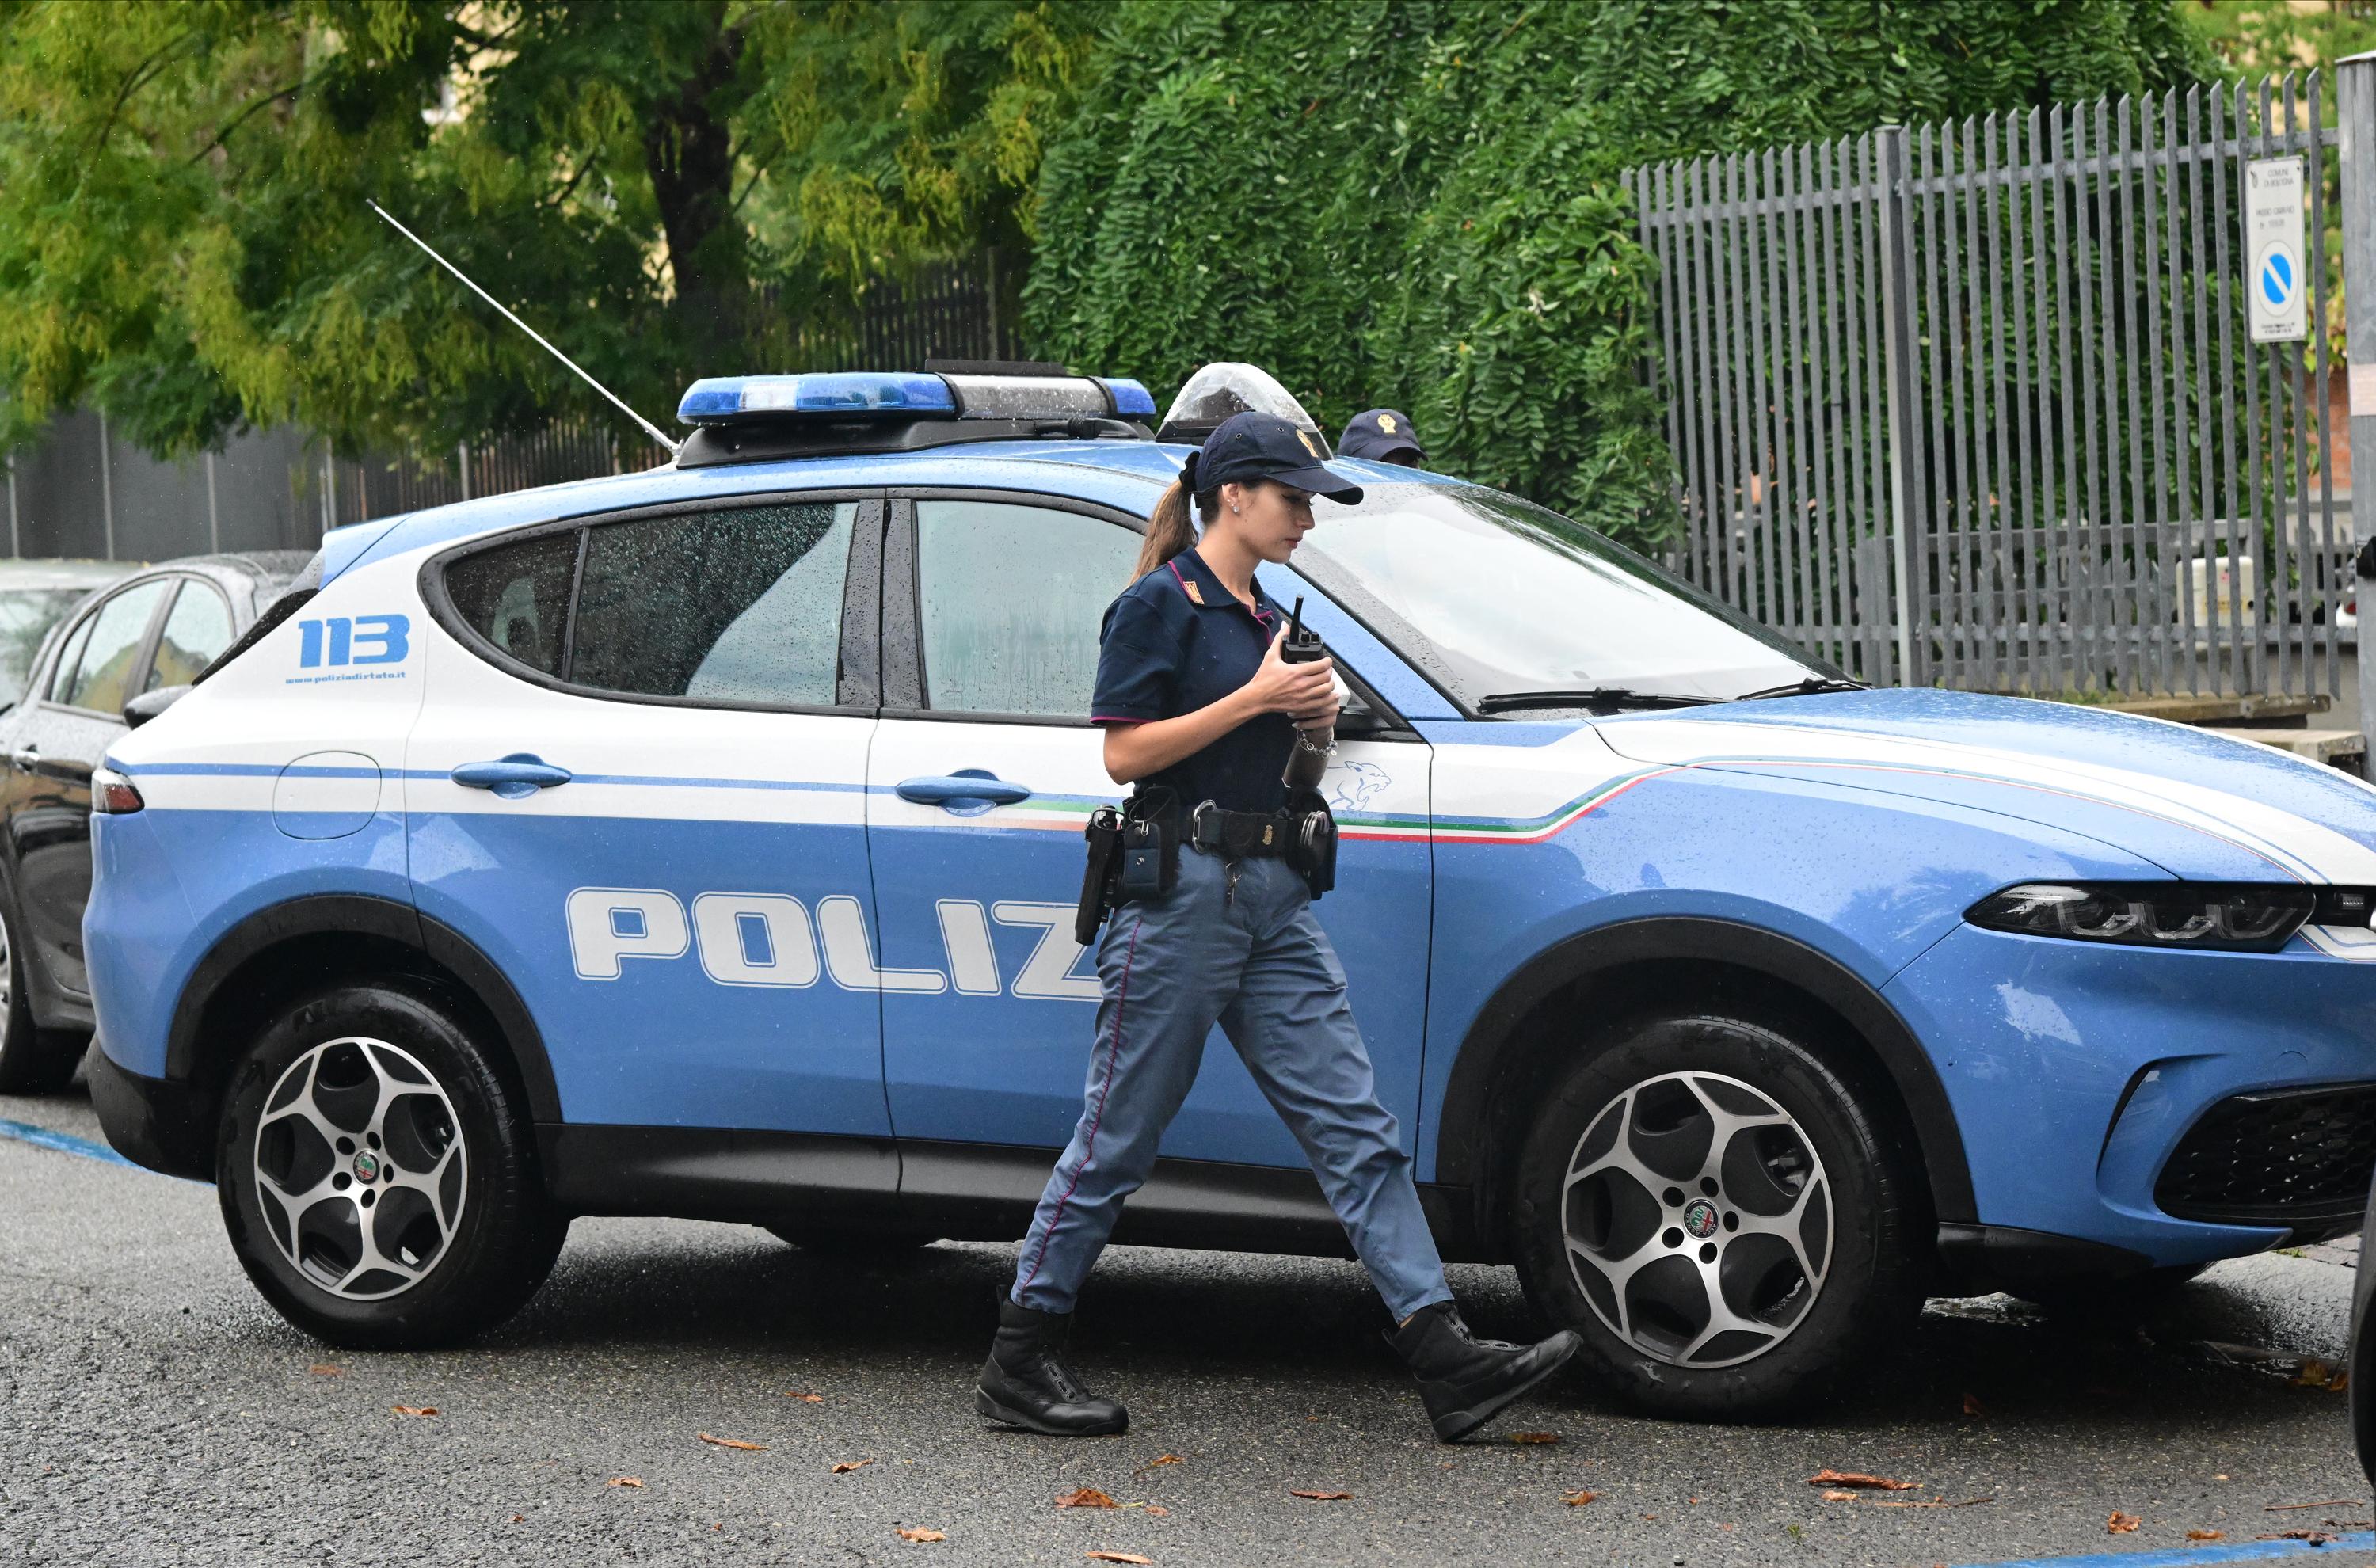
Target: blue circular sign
<point>2277,277</point>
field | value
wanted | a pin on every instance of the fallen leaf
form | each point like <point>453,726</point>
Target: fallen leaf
<point>1972,1405</point>
<point>1087,1497</point>
<point>635,1481</point>
<point>2315,1537</point>
<point>519,1518</point>
<point>1578,1499</point>
<point>414,1409</point>
<point>1857,1477</point>
<point>2121,1523</point>
<point>1157,1462</point>
<point>2207,1535</point>
<point>1840,1497</point>
<point>804,1398</point>
<point>919,1535</point>
<point>849,1465</point>
<point>1322,1496</point>
<point>731,1442</point>
<point>1122,1557</point>
<point>2315,1373</point>
<point>1159,1511</point>
<point>1534,1437</point>
<point>2330,1502</point>
<point>324,1370</point>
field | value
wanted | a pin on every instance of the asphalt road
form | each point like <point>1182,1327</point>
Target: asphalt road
<point>152,1410</point>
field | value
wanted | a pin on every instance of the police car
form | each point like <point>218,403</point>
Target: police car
<point>705,842</point>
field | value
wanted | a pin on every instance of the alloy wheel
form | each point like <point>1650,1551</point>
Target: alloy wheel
<point>1697,1219</point>
<point>360,1168</point>
<point>7,984</point>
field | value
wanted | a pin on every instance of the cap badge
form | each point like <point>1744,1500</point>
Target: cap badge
<point>1387,424</point>
<point>1309,446</point>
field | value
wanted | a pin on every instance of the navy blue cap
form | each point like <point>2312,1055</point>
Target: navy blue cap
<point>1256,445</point>
<point>1378,434</point>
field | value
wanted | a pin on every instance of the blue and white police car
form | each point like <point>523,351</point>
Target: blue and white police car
<point>705,842</point>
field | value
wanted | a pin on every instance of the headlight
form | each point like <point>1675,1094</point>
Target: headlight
<point>2224,916</point>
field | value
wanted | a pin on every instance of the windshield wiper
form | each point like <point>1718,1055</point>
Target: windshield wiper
<point>1810,687</point>
<point>1600,699</point>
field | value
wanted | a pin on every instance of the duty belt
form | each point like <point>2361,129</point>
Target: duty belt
<point>1241,835</point>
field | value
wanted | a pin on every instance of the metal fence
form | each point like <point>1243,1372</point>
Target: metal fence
<point>1975,404</point>
<point>83,491</point>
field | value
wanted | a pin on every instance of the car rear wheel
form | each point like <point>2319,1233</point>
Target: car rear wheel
<point>1724,1218</point>
<point>377,1176</point>
<point>32,1060</point>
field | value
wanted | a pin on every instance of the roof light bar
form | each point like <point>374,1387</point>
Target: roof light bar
<point>906,395</point>
<point>723,399</point>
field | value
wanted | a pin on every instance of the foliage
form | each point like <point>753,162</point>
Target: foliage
<point>664,189</point>
<point>2249,38</point>
<point>1418,202</point>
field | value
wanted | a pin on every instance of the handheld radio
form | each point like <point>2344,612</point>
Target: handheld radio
<point>1309,759</point>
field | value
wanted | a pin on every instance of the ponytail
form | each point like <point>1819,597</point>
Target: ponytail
<point>1169,531</point>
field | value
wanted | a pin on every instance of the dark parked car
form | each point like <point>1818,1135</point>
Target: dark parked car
<point>124,654</point>
<point>35,594</point>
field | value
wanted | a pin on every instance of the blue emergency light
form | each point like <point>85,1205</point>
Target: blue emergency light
<point>909,394</point>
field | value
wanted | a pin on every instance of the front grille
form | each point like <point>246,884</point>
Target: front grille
<point>2297,1157</point>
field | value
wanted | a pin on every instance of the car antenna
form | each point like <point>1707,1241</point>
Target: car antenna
<point>649,428</point>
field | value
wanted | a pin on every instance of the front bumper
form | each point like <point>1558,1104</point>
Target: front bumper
<point>2153,1100</point>
<point>153,1122</point>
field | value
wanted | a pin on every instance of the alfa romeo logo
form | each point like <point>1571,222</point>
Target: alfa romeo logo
<point>367,1169</point>
<point>1700,1220</point>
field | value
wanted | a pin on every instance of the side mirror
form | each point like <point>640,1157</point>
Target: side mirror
<point>149,704</point>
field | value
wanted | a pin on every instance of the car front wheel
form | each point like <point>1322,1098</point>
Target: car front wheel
<point>377,1176</point>
<point>1725,1218</point>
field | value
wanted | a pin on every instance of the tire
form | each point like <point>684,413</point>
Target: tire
<point>473,1234</point>
<point>32,1060</point>
<point>858,1244</point>
<point>1675,1123</point>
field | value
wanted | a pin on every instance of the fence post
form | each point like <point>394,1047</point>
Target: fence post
<point>2355,123</point>
<point>1897,354</point>
<point>15,542</point>
<point>106,488</point>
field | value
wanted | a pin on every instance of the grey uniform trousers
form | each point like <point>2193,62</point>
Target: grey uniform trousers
<point>1254,959</point>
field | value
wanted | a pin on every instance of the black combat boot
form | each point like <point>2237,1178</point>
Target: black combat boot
<point>1026,1383</point>
<point>1467,1381</point>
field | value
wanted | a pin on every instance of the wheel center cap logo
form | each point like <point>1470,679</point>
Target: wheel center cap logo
<point>1700,1218</point>
<point>367,1168</point>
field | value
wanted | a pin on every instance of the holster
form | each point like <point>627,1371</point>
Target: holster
<point>1134,855</point>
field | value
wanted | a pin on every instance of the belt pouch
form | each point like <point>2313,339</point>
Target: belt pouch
<point>1150,846</point>
<point>1312,850</point>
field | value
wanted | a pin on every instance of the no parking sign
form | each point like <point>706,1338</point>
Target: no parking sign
<point>2275,281</point>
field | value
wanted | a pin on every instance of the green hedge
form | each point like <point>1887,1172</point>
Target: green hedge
<point>1418,203</point>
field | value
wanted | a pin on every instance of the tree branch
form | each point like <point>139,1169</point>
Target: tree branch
<point>223,136</point>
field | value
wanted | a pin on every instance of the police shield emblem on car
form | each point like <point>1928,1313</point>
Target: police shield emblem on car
<point>716,833</point>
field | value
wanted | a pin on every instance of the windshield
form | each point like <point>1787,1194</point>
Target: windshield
<point>26,617</point>
<point>1495,596</point>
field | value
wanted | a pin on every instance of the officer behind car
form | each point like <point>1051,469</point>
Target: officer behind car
<point>1383,436</point>
<point>1200,709</point>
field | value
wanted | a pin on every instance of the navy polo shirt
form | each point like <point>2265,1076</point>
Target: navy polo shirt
<point>1177,641</point>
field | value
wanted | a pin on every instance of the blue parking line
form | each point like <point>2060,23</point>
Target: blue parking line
<point>2187,1557</point>
<point>67,1143</point>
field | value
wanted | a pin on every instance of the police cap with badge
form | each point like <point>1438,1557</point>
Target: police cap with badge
<point>1383,435</point>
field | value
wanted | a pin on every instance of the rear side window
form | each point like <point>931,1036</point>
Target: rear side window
<point>196,630</point>
<point>738,606</point>
<point>516,597</point>
<point>100,675</point>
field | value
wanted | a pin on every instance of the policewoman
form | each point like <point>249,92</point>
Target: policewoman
<point>1212,923</point>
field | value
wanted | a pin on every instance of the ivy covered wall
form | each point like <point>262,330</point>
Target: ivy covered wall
<point>1417,203</point>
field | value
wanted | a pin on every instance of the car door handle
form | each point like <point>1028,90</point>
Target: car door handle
<point>516,777</point>
<point>26,759</point>
<point>968,791</point>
